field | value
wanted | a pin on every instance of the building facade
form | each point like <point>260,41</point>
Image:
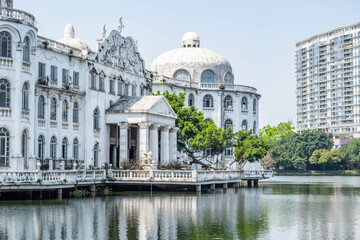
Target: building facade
<point>207,79</point>
<point>59,100</point>
<point>327,82</point>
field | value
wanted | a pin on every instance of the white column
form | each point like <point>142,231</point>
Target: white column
<point>173,144</point>
<point>165,145</point>
<point>154,142</point>
<point>144,138</point>
<point>123,141</point>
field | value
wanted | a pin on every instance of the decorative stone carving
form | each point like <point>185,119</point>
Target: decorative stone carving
<point>165,128</point>
<point>147,161</point>
<point>121,25</point>
<point>174,129</point>
<point>144,125</point>
<point>154,127</point>
<point>120,52</point>
<point>123,125</point>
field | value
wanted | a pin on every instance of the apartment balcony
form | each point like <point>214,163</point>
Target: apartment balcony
<point>17,16</point>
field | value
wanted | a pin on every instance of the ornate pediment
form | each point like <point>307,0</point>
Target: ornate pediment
<point>120,52</point>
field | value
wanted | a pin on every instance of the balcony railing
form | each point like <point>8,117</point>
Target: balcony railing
<point>15,14</point>
<point>183,83</point>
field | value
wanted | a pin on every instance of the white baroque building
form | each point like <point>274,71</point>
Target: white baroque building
<point>206,77</point>
<point>63,104</point>
<point>327,82</point>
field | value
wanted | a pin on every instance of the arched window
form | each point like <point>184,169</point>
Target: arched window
<point>25,96</point>
<point>254,106</point>
<point>182,75</point>
<point>227,78</point>
<point>53,148</point>
<point>228,102</point>
<point>26,49</point>
<point>76,113</point>
<point>254,128</point>
<point>4,93</point>
<point>96,155</point>
<point>41,107</point>
<point>244,104</point>
<point>64,152</point>
<point>53,108</point>
<point>65,108</point>
<point>244,126</point>
<point>4,147</point>
<point>41,143</point>
<point>5,41</point>
<point>228,123</point>
<point>207,78</point>
<point>208,101</point>
<point>191,100</point>
<point>24,148</point>
<point>96,119</point>
<point>76,149</point>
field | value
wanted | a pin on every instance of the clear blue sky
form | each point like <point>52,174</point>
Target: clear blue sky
<point>258,37</point>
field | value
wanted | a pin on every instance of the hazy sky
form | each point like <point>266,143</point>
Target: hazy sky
<point>257,36</point>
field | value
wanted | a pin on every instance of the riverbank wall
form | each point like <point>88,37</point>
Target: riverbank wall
<point>318,173</point>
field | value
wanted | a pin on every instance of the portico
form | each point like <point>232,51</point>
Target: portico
<point>142,124</point>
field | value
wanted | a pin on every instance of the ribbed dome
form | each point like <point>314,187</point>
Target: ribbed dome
<point>190,58</point>
<point>69,39</point>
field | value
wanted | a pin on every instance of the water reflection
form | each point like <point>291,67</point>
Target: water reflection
<point>274,211</point>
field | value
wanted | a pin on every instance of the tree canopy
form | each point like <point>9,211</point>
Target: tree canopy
<point>325,157</point>
<point>270,133</point>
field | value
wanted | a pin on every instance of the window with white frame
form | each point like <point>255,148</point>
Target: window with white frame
<point>96,119</point>
<point>182,75</point>
<point>120,87</point>
<point>76,79</point>
<point>42,70</point>
<point>54,73</point>
<point>4,93</point>
<point>244,104</point>
<point>133,90</point>
<point>228,123</point>
<point>65,76</point>
<point>112,86</point>
<point>207,78</point>
<point>93,81</point>
<point>5,44</point>
<point>53,148</point>
<point>41,144</point>
<point>191,101</point>
<point>64,152</point>
<point>53,108</point>
<point>41,107</point>
<point>228,102</point>
<point>76,149</point>
<point>4,147</point>
<point>208,101</point>
<point>96,155</point>
<point>76,112</point>
<point>254,105</point>
<point>65,107</point>
<point>25,97</point>
<point>26,50</point>
<point>244,126</point>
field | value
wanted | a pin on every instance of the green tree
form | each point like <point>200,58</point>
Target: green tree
<point>215,138</point>
<point>271,133</point>
<point>325,157</point>
<point>249,147</point>
<point>294,150</point>
<point>351,153</point>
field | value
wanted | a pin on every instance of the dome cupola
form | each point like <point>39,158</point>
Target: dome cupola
<point>190,39</point>
<point>69,39</point>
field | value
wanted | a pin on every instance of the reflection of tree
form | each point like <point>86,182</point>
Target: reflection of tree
<point>250,227</point>
<point>113,223</point>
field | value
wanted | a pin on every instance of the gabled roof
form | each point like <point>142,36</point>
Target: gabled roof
<point>157,105</point>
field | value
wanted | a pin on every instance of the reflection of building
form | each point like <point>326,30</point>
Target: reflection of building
<point>327,77</point>
<point>61,103</point>
<point>206,77</point>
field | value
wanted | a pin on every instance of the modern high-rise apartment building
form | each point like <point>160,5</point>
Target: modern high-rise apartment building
<point>328,82</point>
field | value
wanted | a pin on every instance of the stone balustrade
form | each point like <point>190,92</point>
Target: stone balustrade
<point>5,112</point>
<point>6,62</point>
<point>183,83</point>
<point>15,14</point>
<point>168,176</point>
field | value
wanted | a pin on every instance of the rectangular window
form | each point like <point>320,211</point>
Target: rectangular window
<point>119,88</point>
<point>76,77</point>
<point>126,92</point>
<point>101,84</point>
<point>65,76</point>
<point>133,91</point>
<point>54,73</point>
<point>112,86</point>
<point>93,81</point>
<point>42,68</point>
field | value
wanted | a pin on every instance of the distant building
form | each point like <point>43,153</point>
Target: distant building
<point>63,104</point>
<point>328,82</point>
<point>207,78</point>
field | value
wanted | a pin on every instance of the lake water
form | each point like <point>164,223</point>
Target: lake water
<point>283,208</point>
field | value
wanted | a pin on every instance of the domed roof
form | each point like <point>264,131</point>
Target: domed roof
<point>190,56</point>
<point>190,39</point>
<point>69,39</point>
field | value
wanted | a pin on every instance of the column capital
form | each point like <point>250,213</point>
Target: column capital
<point>123,125</point>
<point>155,126</point>
<point>144,125</point>
<point>174,129</point>
<point>165,128</point>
